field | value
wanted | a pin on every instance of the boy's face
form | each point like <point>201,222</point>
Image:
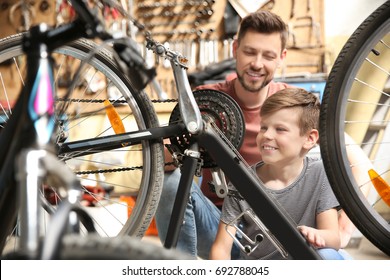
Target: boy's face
<point>279,139</point>
<point>257,57</point>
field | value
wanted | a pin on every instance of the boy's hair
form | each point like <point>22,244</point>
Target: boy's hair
<point>263,22</point>
<point>307,102</point>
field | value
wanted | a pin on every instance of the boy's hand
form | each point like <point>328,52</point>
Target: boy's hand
<point>312,236</point>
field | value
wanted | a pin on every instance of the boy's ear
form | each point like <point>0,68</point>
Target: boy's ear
<point>312,139</point>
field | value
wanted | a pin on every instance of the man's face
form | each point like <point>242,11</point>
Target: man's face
<point>257,57</point>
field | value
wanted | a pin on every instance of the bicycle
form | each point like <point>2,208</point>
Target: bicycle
<point>32,128</point>
<point>191,123</point>
<point>356,101</point>
<point>190,127</point>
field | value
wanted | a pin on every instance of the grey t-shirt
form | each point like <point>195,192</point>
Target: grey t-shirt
<point>309,195</point>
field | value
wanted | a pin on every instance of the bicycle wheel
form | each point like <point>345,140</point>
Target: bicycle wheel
<point>355,113</point>
<point>109,178</point>
<point>117,248</point>
<point>94,247</point>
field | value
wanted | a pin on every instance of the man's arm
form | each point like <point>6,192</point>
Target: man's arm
<point>360,165</point>
<point>346,228</point>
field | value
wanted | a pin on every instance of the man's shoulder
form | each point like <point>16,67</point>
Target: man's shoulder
<point>276,86</point>
<point>225,86</point>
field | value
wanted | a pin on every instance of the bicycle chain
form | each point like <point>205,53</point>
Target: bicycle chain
<point>224,113</point>
<point>108,170</point>
<point>112,100</point>
<point>112,170</point>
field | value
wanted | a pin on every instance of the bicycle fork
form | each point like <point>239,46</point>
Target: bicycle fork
<point>30,169</point>
<point>33,168</point>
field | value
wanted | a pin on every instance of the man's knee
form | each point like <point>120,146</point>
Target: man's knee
<point>171,184</point>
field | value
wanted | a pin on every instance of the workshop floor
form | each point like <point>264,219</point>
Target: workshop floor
<point>365,250</point>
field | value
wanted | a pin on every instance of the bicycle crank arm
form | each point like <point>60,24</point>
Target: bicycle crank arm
<point>188,171</point>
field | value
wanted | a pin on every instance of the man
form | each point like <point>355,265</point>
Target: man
<point>259,50</point>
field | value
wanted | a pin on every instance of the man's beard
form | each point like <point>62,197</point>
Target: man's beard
<point>252,88</point>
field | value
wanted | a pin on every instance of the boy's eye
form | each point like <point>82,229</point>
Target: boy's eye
<point>280,129</point>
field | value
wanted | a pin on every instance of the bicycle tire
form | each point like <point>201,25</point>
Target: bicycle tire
<point>117,248</point>
<point>139,107</point>
<point>351,104</point>
<point>94,247</point>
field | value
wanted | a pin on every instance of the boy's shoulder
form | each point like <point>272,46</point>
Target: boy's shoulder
<point>314,162</point>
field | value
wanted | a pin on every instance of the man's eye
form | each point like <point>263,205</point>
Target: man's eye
<point>268,57</point>
<point>249,53</point>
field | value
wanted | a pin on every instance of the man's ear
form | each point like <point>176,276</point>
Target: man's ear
<point>312,139</point>
<point>282,57</point>
<point>235,46</point>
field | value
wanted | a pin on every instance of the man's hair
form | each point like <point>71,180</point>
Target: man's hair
<point>263,22</point>
<point>308,106</point>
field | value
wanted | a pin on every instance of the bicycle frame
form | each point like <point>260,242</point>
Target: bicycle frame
<point>38,45</point>
<point>263,204</point>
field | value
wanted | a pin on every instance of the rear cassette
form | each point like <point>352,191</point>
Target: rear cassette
<point>223,111</point>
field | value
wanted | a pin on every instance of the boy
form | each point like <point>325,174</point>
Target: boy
<point>288,130</point>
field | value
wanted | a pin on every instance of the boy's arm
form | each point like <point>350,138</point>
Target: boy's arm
<point>223,243</point>
<point>327,232</point>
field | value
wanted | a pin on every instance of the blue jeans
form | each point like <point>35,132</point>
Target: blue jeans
<point>332,254</point>
<point>201,217</point>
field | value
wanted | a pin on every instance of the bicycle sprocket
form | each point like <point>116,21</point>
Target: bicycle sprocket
<point>225,114</point>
